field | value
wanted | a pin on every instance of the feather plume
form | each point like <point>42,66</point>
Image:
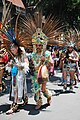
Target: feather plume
<point>28,25</point>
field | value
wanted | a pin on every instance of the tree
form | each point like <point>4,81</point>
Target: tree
<point>67,10</point>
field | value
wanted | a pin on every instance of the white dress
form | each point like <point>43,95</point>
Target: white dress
<point>19,90</point>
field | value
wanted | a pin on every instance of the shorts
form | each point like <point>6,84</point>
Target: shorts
<point>69,67</point>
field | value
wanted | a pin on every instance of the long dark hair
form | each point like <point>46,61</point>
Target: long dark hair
<point>15,45</point>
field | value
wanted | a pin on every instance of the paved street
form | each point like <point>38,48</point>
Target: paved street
<point>64,106</point>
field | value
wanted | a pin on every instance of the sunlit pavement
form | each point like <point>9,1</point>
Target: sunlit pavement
<point>65,105</point>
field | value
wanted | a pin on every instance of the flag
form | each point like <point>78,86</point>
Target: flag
<point>18,3</point>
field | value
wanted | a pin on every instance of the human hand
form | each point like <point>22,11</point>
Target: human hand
<point>42,58</point>
<point>10,64</point>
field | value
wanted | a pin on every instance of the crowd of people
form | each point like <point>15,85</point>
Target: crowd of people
<point>36,68</point>
<point>30,72</point>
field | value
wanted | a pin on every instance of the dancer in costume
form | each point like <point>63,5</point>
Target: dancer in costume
<point>38,34</point>
<point>70,64</point>
<point>19,67</point>
<point>70,57</point>
<point>42,60</point>
<point>3,61</point>
<point>1,67</point>
<point>78,61</point>
<point>19,64</point>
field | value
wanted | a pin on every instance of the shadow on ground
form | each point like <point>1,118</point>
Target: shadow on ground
<point>54,79</point>
<point>61,91</point>
<point>29,107</point>
<point>4,108</point>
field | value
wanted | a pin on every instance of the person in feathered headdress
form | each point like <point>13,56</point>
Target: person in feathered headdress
<point>78,50</point>
<point>19,65</point>
<point>42,60</point>
<point>70,65</point>
<point>3,60</point>
<point>39,34</point>
<point>70,58</point>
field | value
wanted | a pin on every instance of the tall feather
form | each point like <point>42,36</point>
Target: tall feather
<point>28,25</point>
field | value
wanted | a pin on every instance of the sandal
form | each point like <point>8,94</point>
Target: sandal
<point>49,100</point>
<point>13,108</point>
<point>25,100</point>
<point>9,111</point>
<point>39,104</point>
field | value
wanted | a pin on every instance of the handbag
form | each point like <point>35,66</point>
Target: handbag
<point>14,70</point>
<point>39,77</point>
